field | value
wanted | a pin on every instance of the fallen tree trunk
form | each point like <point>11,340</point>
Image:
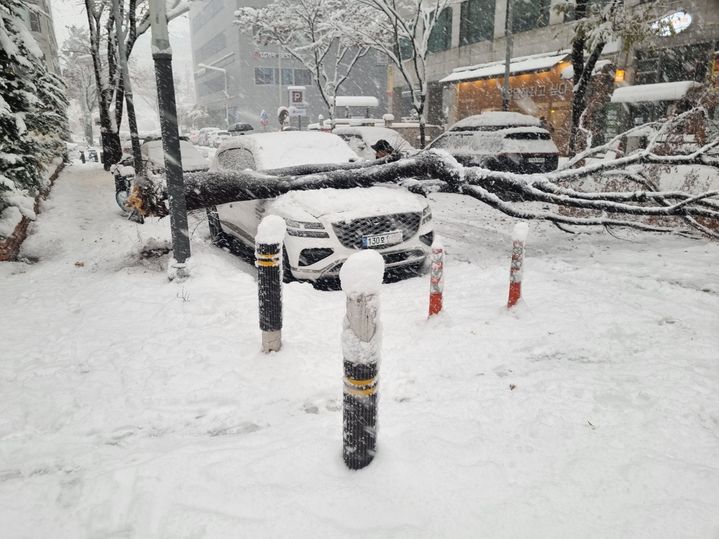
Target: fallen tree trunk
<point>501,190</point>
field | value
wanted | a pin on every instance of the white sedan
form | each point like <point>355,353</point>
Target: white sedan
<point>324,226</point>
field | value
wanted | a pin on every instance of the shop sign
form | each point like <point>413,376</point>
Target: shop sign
<point>558,90</point>
<point>672,24</point>
<point>268,54</point>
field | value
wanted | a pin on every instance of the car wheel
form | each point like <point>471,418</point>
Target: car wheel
<point>287,276</point>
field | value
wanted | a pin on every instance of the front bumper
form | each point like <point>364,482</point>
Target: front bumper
<point>410,252</point>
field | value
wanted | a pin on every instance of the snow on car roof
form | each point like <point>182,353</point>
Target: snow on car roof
<point>373,134</point>
<point>292,148</point>
<point>497,119</point>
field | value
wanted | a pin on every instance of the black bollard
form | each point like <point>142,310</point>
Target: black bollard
<point>268,259</point>
<point>361,277</point>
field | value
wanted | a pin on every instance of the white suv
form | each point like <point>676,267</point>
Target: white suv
<point>324,226</point>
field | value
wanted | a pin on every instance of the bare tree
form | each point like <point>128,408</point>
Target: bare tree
<point>107,62</point>
<point>508,193</point>
<point>596,24</point>
<point>400,29</point>
<point>308,31</point>
<point>78,74</point>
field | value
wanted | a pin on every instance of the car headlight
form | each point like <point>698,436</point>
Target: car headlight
<point>305,229</point>
<point>426,215</point>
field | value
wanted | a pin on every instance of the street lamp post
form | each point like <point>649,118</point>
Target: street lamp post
<point>162,56</point>
<point>227,95</point>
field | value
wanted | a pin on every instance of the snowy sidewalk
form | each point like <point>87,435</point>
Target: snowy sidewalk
<point>135,407</point>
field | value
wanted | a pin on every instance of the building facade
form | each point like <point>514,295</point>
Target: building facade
<point>236,79</point>
<point>466,69</point>
<point>38,19</point>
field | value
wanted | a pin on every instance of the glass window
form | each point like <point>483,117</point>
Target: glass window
<point>529,14</point>
<point>303,77</point>
<point>287,77</point>
<point>476,21</point>
<point>236,159</point>
<point>440,39</point>
<point>264,75</point>
<point>34,21</point>
<point>593,7</point>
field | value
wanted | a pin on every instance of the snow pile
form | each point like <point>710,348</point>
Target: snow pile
<point>134,407</point>
<point>347,204</point>
<point>520,231</point>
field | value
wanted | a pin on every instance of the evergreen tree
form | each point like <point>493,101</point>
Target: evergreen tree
<point>33,118</point>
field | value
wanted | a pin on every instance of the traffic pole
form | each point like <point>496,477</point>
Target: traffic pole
<point>361,278</point>
<point>519,238</point>
<point>436,277</point>
<point>268,259</point>
<point>162,56</point>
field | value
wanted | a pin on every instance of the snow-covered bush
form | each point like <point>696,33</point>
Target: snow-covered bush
<point>33,120</point>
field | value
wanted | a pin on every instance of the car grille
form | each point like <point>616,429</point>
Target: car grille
<point>350,232</point>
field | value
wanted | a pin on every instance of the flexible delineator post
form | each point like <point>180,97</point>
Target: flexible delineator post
<point>361,277</point>
<point>268,259</point>
<point>436,277</point>
<point>519,238</point>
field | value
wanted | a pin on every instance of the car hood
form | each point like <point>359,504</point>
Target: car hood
<point>345,204</point>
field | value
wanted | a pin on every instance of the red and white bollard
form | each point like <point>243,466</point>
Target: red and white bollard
<point>436,277</point>
<point>519,238</point>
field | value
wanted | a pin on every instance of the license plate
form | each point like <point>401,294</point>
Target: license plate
<point>536,160</point>
<point>380,240</point>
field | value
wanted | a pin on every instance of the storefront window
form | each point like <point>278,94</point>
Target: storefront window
<point>264,75</point>
<point>477,21</point>
<point>529,14</point>
<point>673,64</point>
<point>593,8</point>
<point>440,39</point>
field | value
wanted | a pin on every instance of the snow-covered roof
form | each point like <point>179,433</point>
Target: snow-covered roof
<point>356,101</point>
<point>568,72</point>
<point>292,148</point>
<point>649,93</point>
<point>496,119</point>
<point>521,64</point>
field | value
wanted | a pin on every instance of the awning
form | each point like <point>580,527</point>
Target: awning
<point>356,101</point>
<point>651,93</point>
<point>521,64</point>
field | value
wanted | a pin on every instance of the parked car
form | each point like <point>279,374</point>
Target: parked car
<point>203,138</point>
<point>240,128</point>
<point>361,139</point>
<point>153,157</point>
<point>324,226</point>
<point>218,137</point>
<point>507,141</point>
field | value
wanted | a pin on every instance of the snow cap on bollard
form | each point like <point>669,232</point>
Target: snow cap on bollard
<point>362,273</point>
<point>520,231</point>
<point>271,230</point>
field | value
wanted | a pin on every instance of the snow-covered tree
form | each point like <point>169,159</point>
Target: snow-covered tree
<point>33,120</point>
<point>77,73</point>
<point>404,30</point>
<point>108,63</point>
<point>309,31</point>
<point>597,23</point>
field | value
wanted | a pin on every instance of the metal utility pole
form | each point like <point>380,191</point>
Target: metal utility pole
<point>508,39</point>
<point>162,55</point>
<point>127,86</point>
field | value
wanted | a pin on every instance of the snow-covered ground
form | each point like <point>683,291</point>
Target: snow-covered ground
<point>131,406</point>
